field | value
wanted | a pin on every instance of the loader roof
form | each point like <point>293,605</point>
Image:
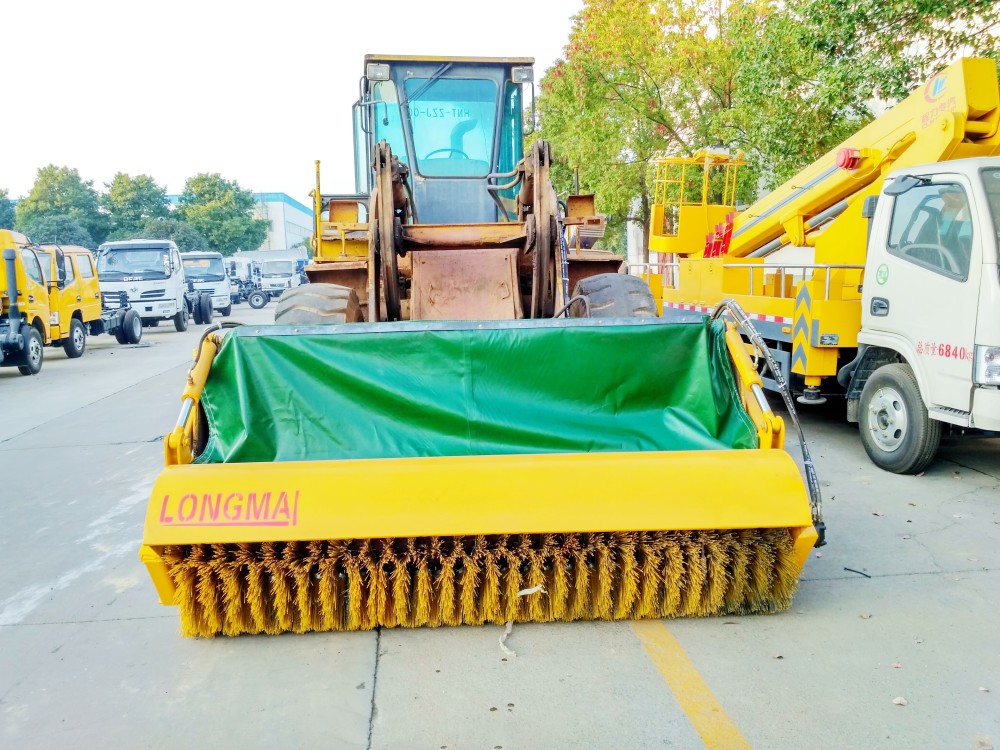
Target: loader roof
<point>460,59</point>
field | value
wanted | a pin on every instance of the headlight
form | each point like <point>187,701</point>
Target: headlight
<point>987,369</point>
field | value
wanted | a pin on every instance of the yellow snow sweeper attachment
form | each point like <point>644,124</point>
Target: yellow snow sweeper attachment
<point>349,477</point>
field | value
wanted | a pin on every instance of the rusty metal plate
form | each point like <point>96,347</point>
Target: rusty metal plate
<point>465,285</point>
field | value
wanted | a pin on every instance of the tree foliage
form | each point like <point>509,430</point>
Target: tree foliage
<point>6,211</point>
<point>131,201</point>
<point>58,229</point>
<point>222,212</point>
<point>782,82</point>
<point>59,191</point>
<point>188,238</point>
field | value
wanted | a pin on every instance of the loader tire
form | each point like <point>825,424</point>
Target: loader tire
<point>896,430</point>
<point>76,342</point>
<point>318,304</point>
<point>613,295</point>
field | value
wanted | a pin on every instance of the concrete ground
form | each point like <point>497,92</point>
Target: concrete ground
<point>899,605</point>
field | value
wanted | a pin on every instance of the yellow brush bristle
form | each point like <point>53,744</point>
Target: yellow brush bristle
<point>275,587</point>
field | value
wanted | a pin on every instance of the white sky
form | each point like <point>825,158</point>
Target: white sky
<point>253,90</point>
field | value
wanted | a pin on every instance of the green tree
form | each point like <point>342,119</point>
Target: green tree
<point>222,212</point>
<point>131,201</point>
<point>58,229</point>
<point>61,191</point>
<point>188,238</point>
<point>6,211</point>
<point>871,47</point>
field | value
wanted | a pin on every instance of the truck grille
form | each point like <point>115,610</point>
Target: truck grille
<point>154,294</point>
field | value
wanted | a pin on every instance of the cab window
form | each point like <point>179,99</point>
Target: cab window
<point>31,266</point>
<point>932,227</point>
<point>70,273</point>
<point>453,122</point>
<point>86,267</point>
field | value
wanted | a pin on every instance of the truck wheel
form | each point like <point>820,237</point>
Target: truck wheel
<point>205,304</point>
<point>319,303</point>
<point>132,326</point>
<point>613,295</point>
<point>120,335</point>
<point>76,342</point>
<point>257,299</point>
<point>226,311</point>
<point>33,351</point>
<point>896,430</point>
<point>181,319</point>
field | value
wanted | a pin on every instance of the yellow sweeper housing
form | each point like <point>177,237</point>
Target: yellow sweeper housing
<point>359,476</point>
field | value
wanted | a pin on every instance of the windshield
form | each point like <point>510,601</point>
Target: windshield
<point>453,121</point>
<point>204,269</point>
<point>279,268</point>
<point>45,258</point>
<point>148,263</point>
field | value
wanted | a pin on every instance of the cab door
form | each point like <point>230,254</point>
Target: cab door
<point>86,284</point>
<point>32,296</point>
<point>922,287</point>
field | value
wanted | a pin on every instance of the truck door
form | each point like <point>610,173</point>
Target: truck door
<point>87,285</point>
<point>921,287</point>
<point>33,296</point>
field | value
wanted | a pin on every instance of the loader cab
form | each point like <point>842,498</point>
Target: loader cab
<point>452,121</point>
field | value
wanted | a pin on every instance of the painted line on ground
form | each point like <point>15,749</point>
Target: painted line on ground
<point>706,714</point>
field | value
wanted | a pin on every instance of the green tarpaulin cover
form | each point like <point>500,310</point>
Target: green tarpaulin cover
<point>406,390</point>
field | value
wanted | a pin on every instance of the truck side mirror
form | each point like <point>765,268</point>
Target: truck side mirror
<point>868,207</point>
<point>903,184</point>
<point>60,269</point>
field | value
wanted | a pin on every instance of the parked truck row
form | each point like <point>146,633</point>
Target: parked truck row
<point>58,295</point>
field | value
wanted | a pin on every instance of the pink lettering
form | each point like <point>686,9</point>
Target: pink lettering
<point>187,516</point>
<point>233,512</point>
<point>281,509</point>
<point>260,511</point>
<point>207,506</point>
<point>164,518</point>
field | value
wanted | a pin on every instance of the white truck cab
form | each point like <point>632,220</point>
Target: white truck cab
<point>929,345</point>
<point>208,272</point>
<point>151,274</point>
<point>278,275</point>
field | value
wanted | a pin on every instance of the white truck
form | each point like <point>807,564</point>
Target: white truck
<point>278,275</point>
<point>151,275</point>
<point>208,272</point>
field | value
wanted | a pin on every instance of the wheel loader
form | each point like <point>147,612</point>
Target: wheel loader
<point>438,431</point>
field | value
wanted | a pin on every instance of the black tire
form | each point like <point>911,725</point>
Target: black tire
<point>257,299</point>
<point>181,319</point>
<point>896,431</point>
<point>151,322</point>
<point>318,304</point>
<point>613,295</point>
<point>132,326</point>
<point>34,348</point>
<point>226,311</point>
<point>195,312</point>
<point>76,342</point>
<point>205,303</point>
<point>120,335</point>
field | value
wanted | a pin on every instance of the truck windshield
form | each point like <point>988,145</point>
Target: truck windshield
<point>204,269</point>
<point>453,122</point>
<point>278,268</point>
<point>45,258</point>
<point>146,263</point>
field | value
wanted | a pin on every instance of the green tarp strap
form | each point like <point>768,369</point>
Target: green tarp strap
<point>408,390</point>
